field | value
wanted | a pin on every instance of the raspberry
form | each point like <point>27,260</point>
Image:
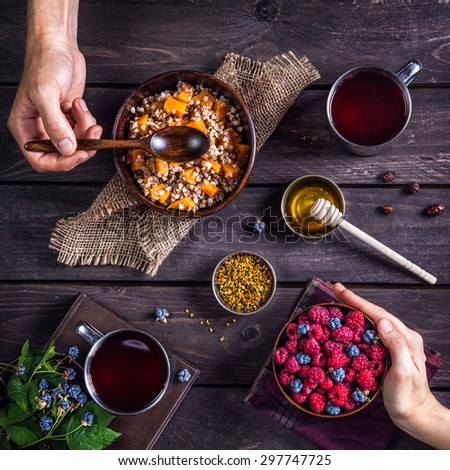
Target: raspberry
<point>316,332</point>
<point>354,320</point>
<point>308,387</point>
<point>331,409</point>
<point>377,352</point>
<point>317,402</point>
<point>338,359</point>
<point>335,323</point>
<point>285,378</point>
<point>377,367</point>
<point>299,397</point>
<point>303,373</point>
<point>360,362</point>
<point>357,335</point>
<point>280,355</point>
<point>292,346</point>
<point>327,384</point>
<point>292,331</point>
<point>338,394</point>
<point>336,312</point>
<point>350,375</point>
<point>349,405</point>
<point>319,360</point>
<point>291,366</point>
<point>366,379</point>
<point>343,334</point>
<point>326,333</point>
<point>331,346</point>
<point>316,375</point>
<point>363,347</point>
<point>303,319</point>
<point>309,346</point>
<point>319,314</point>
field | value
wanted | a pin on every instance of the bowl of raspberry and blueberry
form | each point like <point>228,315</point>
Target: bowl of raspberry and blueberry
<point>329,361</point>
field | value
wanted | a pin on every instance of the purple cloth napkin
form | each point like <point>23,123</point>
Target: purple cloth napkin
<point>371,428</point>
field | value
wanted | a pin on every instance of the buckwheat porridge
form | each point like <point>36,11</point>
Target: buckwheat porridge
<point>204,182</point>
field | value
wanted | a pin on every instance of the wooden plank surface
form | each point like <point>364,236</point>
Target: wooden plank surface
<point>135,40</point>
<point>34,311</point>
<point>30,212</point>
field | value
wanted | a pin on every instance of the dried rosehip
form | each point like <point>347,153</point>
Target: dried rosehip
<point>387,208</point>
<point>414,187</point>
<point>389,176</point>
<point>435,209</point>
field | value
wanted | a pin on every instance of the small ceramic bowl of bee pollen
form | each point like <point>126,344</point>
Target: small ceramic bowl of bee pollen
<point>244,283</point>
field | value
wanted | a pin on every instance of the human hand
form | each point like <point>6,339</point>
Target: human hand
<point>48,105</point>
<point>406,394</point>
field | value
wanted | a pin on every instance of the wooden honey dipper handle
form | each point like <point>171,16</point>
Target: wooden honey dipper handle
<point>326,213</point>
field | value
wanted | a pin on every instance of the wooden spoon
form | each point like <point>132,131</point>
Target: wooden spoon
<point>178,144</point>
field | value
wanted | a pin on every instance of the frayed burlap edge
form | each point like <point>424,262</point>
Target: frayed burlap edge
<point>118,230</point>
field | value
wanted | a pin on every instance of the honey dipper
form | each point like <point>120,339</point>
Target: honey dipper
<point>326,213</point>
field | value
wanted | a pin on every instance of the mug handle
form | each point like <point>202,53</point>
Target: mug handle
<point>87,332</point>
<point>407,73</point>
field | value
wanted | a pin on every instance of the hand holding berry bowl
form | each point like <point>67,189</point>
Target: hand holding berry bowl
<point>329,361</point>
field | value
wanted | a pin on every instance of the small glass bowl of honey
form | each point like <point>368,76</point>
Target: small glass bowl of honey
<point>298,199</point>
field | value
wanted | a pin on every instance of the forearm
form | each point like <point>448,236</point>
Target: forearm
<point>52,21</point>
<point>432,427</point>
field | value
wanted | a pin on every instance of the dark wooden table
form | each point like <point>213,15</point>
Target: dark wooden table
<point>127,42</point>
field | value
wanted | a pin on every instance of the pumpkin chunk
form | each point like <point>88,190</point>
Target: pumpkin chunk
<point>216,166</point>
<point>142,124</point>
<point>173,105</point>
<point>136,158</point>
<point>242,153</point>
<point>184,97</point>
<point>188,176</point>
<point>159,193</point>
<point>162,167</point>
<point>198,124</point>
<point>231,171</point>
<point>182,204</point>
<point>205,98</point>
<point>209,188</point>
<point>221,109</point>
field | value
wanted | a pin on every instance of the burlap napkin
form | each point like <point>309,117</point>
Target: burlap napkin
<point>119,230</point>
<point>371,428</point>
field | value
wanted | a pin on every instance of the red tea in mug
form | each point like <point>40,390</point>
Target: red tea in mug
<point>368,108</point>
<point>128,371</point>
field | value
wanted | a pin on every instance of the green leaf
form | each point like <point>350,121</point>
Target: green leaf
<point>32,392</point>
<point>21,436</point>
<point>17,392</point>
<point>48,366</point>
<point>15,414</point>
<point>4,443</point>
<point>50,351</point>
<point>24,352</point>
<point>2,419</point>
<point>95,437</point>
